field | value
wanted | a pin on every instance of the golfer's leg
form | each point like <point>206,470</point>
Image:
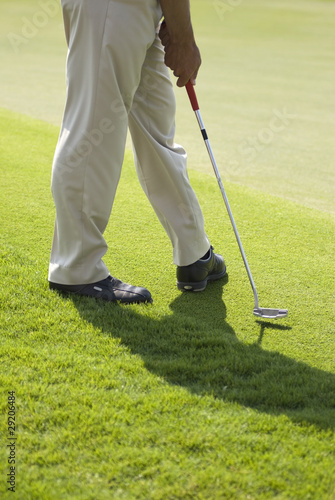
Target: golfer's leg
<point>161,164</point>
<point>103,72</point>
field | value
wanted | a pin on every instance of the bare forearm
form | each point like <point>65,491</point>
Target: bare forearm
<point>181,52</point>
<point>178,19</point>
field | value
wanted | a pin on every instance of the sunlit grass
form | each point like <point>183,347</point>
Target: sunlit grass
<point>191,397</point>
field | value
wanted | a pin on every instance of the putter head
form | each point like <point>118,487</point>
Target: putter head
<point>263,312</point>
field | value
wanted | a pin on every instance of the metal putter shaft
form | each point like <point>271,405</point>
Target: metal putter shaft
<point>258,311</point>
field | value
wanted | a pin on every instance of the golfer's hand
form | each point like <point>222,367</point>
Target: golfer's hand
<point>182,57</point>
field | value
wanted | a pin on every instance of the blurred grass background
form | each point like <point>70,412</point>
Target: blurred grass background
<point>260,57</point>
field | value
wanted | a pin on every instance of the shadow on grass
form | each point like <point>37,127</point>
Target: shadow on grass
<point>196,348</point>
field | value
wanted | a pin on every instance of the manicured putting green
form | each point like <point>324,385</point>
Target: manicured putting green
<point>189,398</point>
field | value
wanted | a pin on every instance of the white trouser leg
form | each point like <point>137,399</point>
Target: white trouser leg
<point>108,41</point>
<point>161,164</point>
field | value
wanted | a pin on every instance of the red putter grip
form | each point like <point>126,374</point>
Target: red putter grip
<point>192,96</point>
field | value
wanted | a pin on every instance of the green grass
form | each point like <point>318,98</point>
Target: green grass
<point>261,56</point>
<point>190,398</point>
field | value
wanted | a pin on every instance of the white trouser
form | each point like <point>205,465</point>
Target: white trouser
<point>116,77</point>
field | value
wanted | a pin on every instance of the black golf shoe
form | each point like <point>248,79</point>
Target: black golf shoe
<point>109,289</point>
<point>194,277</point>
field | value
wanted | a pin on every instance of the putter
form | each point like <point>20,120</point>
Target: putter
<point>261,312</point>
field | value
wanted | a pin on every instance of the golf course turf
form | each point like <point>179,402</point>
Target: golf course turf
<point>191,397</point>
